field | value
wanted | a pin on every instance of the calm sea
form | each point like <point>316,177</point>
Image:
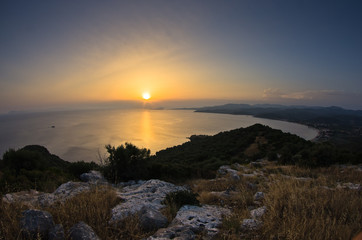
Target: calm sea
<point>80,135</point>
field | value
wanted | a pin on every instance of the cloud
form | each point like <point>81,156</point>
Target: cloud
<point>275,93</point>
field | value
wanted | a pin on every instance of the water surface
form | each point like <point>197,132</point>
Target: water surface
<point>80,135</point>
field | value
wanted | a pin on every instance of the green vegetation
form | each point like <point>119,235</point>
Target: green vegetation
<point>202,155</point>
<point>125,162</point>
<point>175,200</point>
<point>33,167</point>
<point>337,125</point>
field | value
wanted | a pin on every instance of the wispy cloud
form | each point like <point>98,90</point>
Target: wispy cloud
<point>275,93</point>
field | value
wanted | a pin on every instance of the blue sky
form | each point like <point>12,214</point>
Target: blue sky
<point>58,53</point>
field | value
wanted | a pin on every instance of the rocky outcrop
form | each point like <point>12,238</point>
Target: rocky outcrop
<point>34,198</point>
<point>148,195</point>
<point>36,222</point>
<point>227,170</point>
<point>251,224</point>
<point>81,231</point>
<point>174,232</point>
<point>191,220</point>
<point>258,213</point>
<point>93,177</point>
<point>151,219</point>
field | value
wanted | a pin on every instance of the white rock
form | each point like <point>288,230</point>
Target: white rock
<point>251,224</point>
<point>197,218</point>
<point>258,213</point>
<point>150,194</point>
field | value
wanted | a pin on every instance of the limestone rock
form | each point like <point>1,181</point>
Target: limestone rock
<point>251,224</point>
<point>151,219</point>
<point>150,194</point>
<point>34,198</point>
<point>82,231</point>
<point>258,213</point>
<point>226,169</point>
<point>206,218</point>
<point>36,222</point>
<point>93,177</point>
<point>56,233</point>
<point>352,186</point>
<point>174,232</point>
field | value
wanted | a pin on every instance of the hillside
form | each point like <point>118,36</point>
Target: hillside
<point>202,155</point>
<point>340,126</point>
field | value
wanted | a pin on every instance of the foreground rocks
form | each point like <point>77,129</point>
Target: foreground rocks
<point>148,195</point>
<point>81,231</point>
<point>191,220</point>
<point>36,223</point>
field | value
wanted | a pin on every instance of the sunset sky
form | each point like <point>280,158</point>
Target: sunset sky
<point>59,53</point>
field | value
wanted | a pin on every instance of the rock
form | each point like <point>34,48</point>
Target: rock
<point>57,233</point>
<point>34,198</point>
<point>93,177</point>
<point>28,198</point>
<point>81,231</point>
<point>150,195</point>
<point>174,232</point>
<point>352,186</point>
<point>258,213</point>
<point>251,224</point>
<point>151,219</point>
<point>259,196</point>
<point>36,222</point>
<point>226,169</point>
<point>206,218</point>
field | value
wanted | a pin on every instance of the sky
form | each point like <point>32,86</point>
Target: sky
<point>63,53</point>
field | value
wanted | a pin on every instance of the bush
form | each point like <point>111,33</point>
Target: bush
<point>126,162</point>
<point>175,200</point>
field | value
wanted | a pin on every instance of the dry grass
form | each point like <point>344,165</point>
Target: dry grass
<point>304,210</point>
<point>297,208</point>
<point>9,220</point>
<point>93,207</point>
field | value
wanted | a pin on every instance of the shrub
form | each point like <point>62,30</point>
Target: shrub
<point>175,200</point>
<point>126,162</point>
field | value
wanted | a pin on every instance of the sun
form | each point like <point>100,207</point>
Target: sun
<point>146,95</point>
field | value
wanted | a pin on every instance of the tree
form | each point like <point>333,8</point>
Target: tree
<point>126,162</point>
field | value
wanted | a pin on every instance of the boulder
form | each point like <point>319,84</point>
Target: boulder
<point>206,218</point>
<point>226,169</point>
<point>57,233</point>
<point>174,232</point>
<point>251,224</point>
<point>258,213</point>
<point>150,195</point>
<point>151,219</point>
<point>82,231</point>
<point>93,177</point>
<point>36,222</point>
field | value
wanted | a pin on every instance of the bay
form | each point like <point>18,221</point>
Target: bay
<point>81,135</point>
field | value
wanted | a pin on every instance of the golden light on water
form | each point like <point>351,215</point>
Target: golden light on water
<point>146,95</point>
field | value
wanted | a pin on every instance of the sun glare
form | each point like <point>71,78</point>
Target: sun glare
<point>146,96</point>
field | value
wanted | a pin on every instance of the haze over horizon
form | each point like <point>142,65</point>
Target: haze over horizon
<point>58,54</point>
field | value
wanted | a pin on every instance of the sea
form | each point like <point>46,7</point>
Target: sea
<point>82,135</point>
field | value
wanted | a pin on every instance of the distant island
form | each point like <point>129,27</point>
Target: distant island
<point>335,124</point>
